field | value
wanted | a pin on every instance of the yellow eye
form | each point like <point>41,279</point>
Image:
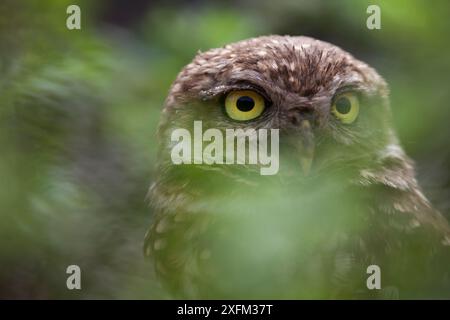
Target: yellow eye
<point>346,107</point>
<point>244,105</point>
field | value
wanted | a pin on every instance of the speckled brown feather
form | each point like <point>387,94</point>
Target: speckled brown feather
<point>299,75</point>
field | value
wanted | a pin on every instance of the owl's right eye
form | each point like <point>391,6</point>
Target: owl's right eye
<point>243,105</point>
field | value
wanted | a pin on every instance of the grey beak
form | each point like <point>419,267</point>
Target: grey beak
<point>307,146</point>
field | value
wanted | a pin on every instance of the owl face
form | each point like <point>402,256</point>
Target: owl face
<point>331,109</point>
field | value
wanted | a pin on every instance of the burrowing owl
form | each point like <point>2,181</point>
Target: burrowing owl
<point>225,231</point>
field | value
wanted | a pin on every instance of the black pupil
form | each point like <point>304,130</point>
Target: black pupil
<point>343,105</point>
<point>245,104</point>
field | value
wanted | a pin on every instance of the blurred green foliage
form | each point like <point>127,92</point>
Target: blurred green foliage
<point>79,110</point>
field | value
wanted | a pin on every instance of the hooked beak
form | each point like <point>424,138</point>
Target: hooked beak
<point>306,146</point>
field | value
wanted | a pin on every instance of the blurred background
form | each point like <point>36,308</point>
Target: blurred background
<point>79,109</point>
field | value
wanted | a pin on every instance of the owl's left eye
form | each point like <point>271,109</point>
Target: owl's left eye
<point>243,105</point>
<point>346,107</point>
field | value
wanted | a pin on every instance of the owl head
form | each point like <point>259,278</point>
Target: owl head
<point>331,109</point>
<point>332,112</point>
